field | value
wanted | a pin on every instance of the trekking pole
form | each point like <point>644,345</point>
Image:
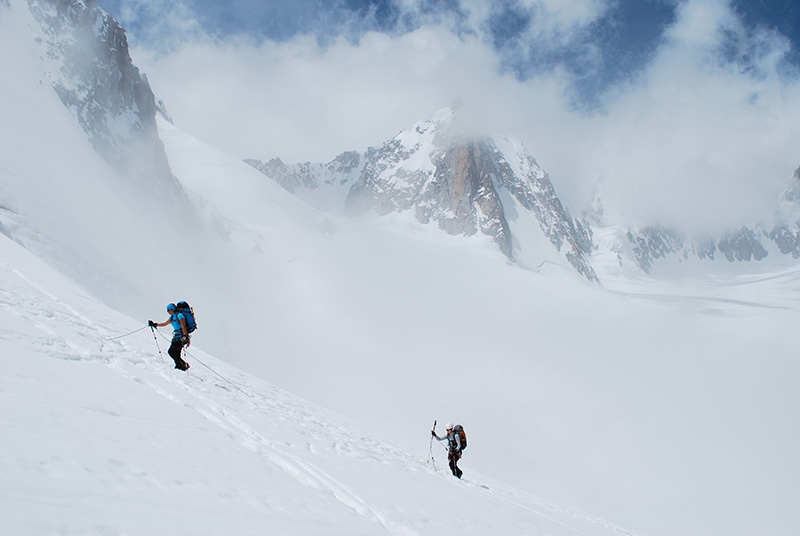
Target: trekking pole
<point>157,345</point>
<point>430,447</point>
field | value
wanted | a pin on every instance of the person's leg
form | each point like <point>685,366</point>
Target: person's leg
<point>454,456</point>
<point>175,353</point>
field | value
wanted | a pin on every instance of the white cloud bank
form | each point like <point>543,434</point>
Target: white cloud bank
<point>692,141</point>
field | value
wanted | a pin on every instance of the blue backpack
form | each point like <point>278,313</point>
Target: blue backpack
<point>188,312</point>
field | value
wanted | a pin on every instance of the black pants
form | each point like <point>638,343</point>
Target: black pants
<point>453,457</point>
<point>175,353</point>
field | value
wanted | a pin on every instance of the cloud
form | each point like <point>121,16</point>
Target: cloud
<point>699,140</point>
<point>703,134</point>
<point>302,102</point>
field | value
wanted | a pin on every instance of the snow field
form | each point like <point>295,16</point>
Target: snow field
<point>103,437</point>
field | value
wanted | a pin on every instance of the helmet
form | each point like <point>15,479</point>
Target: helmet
<point>449,426</point>
<point>171,307</point>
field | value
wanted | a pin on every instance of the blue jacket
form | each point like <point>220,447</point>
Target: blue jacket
<point>177,330</point>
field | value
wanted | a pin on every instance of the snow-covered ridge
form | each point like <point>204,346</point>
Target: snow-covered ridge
<point>464,185</point>
<point>492,185</point>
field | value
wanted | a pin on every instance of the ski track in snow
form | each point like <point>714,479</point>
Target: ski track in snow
<point>218,393</point>
<point>46,310</point>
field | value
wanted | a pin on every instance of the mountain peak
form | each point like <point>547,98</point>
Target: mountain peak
<point>448,171</point>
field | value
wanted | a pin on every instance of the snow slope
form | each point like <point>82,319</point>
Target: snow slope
<point>659,406</point>
<point>655,405</point>
<point>101,437</point>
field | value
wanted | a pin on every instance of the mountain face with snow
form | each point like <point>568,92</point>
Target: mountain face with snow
<point>467,185</point>
<point>653,243</point>
<point>463,184</point>
<point>647,246</point>
<point>786,233</point>
<point>82,167</point>
<point>492,186</point>
<point>88,64</point>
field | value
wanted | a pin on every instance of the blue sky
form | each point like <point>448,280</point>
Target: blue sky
<point>611,48</point>
<point>628,96</point>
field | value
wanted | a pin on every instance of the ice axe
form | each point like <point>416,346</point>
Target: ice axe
<point>430,447</point>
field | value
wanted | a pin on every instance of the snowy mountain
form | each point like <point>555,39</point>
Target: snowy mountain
<point>777,242</point>
<point>81,157</point>
<point>463,184</point>
<point>87,62</point>
<point>466,184</point>
<point>655,405</point>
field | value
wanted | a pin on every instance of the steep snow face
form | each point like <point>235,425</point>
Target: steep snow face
<point>61,199</point>
<point>533,193</point>
<point>463,185</point>
<point>102,437</point>
<point>468,185</point>
<point>573,392</point>
<point>86,61</point>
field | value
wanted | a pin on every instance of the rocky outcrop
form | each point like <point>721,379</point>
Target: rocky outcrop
<point>89,66</point>
<point>460,183</point>
<point>747,243</point>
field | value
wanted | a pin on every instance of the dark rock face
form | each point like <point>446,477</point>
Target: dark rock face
<point>89,66</point>
<point>96,78</point>
<point>460,183</point>
<point>443,177</point>
<point>457,192</point>
<point>742,245</point>
<point>787,239</point>
<point>652,243</point>
<point>462,197</point>
<point>467,185</point>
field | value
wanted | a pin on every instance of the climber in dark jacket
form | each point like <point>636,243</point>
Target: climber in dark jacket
<point>453,448</point>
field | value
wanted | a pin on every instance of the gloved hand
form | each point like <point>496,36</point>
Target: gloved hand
<point>433,433</point>
<point>185,340</point>
<point>151,324</point>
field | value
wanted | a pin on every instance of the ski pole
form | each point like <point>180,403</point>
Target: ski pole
<point>430,447</point>
<point>157,345</point>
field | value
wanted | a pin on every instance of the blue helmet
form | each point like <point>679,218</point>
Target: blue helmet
<point>171,307</point>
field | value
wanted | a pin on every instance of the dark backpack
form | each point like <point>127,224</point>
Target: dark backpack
<point>461,434</point>
<point>188,312</point>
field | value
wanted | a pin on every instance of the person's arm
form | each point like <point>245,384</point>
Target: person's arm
<point>160,324</point>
